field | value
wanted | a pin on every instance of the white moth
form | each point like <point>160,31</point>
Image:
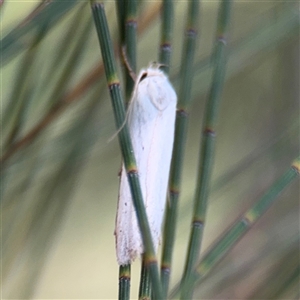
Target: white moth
<point>151,122</point>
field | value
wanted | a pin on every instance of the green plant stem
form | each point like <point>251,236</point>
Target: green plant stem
<point>125,143</point>
<point>223,244</point>
<point>145,284</point>
<point>127,19</point>
<point>124,282</point>
<point>183,105</point>
<point>120,5</point>
<point>127,28</point>
<point>207,149</point>
<point>167,18</point>
<point>167,33</point>
<point>130,44</point>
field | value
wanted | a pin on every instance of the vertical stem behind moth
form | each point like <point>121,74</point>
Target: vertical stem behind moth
<point>128,30</point>
<point>207,150</point>
<point>184,100</point>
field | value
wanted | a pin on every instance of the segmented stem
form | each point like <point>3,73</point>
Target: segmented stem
<point>125,143</point>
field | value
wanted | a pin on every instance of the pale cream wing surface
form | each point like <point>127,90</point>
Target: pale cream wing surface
<point>151,123</point>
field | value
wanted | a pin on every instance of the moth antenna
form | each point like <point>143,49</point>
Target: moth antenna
<point>123,124</point>
<point>157,65</point>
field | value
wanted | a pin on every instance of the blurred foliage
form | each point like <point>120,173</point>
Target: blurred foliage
<point>59,175</point>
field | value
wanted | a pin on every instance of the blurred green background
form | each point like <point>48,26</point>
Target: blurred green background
<point>59,191</point>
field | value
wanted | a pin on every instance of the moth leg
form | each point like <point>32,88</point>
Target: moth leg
<point>127,64</point>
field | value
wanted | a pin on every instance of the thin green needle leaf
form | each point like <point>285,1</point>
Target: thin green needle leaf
<point>20,94</point>
<point>221,247</point>
<point>47,14</point>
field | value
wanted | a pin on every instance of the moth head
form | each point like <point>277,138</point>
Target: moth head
<point>143,76</point>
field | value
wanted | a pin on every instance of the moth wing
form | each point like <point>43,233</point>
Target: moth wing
<point>151,125</point>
